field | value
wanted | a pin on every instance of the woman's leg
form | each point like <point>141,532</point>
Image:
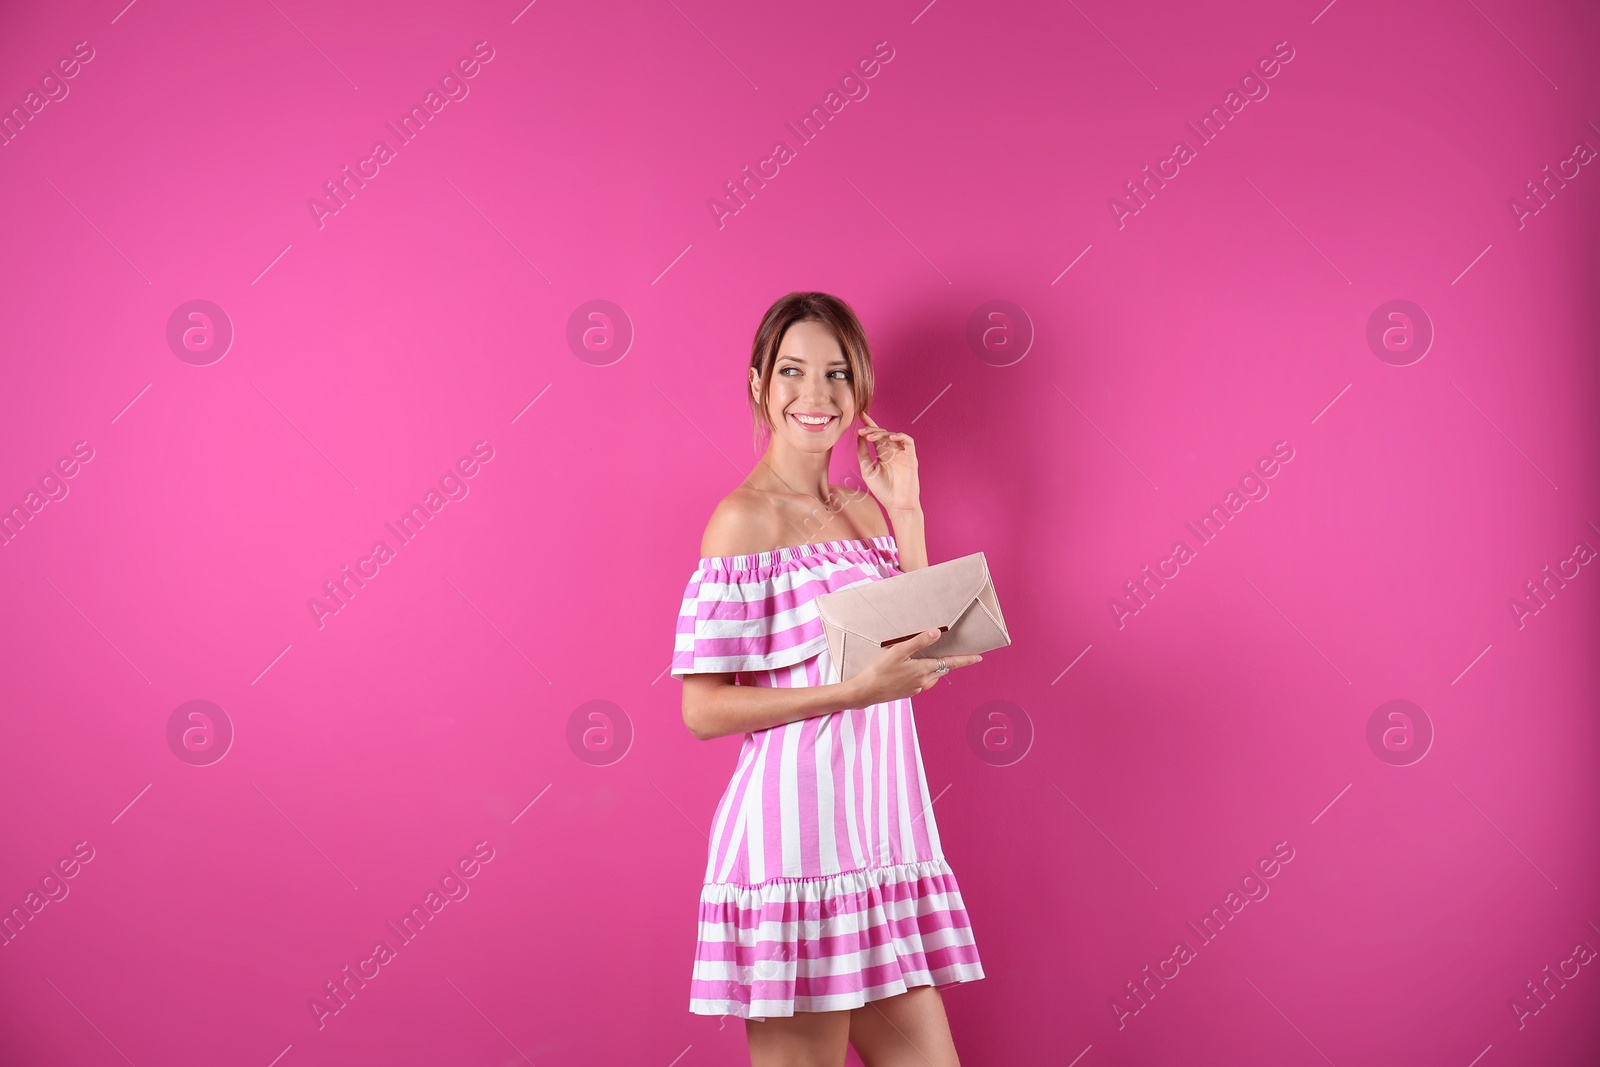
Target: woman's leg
<point>804,1039</point>
<point>908,1030</point>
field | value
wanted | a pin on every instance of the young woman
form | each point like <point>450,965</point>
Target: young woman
<point>828,913</point>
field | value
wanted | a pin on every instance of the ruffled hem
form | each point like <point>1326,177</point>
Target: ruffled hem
<point>753,662</point>
<point>830,944</point>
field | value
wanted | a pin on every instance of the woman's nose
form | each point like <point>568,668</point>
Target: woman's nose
<point>817,392</point>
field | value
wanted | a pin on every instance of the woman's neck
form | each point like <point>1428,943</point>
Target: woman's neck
<point>786,471</point>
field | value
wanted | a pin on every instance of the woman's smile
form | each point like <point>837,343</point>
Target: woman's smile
<point>813,421</point>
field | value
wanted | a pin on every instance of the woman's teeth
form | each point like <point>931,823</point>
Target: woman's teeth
<point>813,420</point>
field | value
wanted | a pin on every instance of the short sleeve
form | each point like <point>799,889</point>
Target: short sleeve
<point>732,621</point>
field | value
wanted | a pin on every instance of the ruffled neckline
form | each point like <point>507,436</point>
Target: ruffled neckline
<point>772,557</point>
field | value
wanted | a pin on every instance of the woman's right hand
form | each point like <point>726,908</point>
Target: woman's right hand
<point>894,674</point>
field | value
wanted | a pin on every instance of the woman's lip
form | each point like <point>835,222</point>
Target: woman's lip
<point>815,428</point>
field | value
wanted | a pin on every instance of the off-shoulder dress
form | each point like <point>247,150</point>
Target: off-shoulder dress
<point>825,883</point>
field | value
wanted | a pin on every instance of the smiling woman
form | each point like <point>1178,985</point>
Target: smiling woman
<point>828,913</point>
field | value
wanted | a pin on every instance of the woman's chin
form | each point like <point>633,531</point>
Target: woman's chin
<point>813,442</point>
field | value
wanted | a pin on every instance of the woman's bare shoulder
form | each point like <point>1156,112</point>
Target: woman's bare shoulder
<point>741,524</point>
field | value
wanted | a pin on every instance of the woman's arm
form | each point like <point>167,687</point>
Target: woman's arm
<point>713,706</point>
<point>909,538</point>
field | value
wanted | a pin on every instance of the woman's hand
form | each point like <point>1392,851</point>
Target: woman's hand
<point>892,477</point>
<point>895,674</point>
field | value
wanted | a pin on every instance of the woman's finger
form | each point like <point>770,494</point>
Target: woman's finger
<point>952,661</point>
<point>903,440</point>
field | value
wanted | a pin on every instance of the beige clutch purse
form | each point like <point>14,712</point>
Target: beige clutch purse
<point>957,596</point>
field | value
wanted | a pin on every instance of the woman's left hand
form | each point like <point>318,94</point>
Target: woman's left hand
<point>893,476</point>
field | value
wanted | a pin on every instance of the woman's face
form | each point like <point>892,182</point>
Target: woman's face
<point>810,400</point>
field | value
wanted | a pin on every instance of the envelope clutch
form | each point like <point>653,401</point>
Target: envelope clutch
<point>956,596</point>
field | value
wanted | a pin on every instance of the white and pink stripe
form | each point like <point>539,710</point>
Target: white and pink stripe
<point>825,884</point>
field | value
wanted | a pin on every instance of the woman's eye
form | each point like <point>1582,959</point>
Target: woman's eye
<point>845,375</point>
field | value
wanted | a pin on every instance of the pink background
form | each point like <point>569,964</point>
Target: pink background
<point>372,753</point>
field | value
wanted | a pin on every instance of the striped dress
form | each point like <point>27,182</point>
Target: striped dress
<point>825,884</point>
